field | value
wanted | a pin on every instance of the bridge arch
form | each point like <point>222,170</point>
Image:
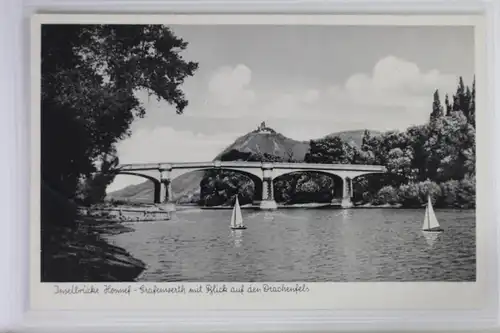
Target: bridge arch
<point>251,172</point>
<point>336,191</point>
<point>255,177</point>
<point>156,182</point>
<point>373,180</point>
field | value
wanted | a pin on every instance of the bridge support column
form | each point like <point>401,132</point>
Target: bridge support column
<point>268,202</point>
<point>157,192</point>
<point>347,193</point>
<point>166,191</point>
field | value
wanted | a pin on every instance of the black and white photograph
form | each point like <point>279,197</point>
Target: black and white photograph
<point>257,153</point>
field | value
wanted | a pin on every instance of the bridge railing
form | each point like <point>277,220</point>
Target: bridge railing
<point>228,164</point>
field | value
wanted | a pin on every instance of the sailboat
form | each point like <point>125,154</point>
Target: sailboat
<point>236,217</point>
<point>431,223</point>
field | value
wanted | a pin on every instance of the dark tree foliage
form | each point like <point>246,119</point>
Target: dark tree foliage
<point>437,109</point>
<point>448,105</point>
<point>442,152</point>
<point>89,78</point>
<point>220,188</point>
<point>331,150</point>
<point>90,74</point>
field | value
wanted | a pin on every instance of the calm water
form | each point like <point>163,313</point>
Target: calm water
<point>304,245</point>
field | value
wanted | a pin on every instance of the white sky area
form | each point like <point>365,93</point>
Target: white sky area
<point>304,81</point>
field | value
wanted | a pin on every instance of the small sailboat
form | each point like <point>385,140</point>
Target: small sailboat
<point>431,223</point>
<point>236,217</point>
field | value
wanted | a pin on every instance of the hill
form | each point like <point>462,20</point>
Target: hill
<point>262,141</point>
<point>184,188</point>
<point>274,144</point>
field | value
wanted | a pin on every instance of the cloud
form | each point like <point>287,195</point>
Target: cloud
<point>229,86</point>
<point>396,93</point>
<point>393,82</point>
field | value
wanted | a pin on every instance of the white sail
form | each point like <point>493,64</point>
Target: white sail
<point>430,220</point>
<point>236,217</point>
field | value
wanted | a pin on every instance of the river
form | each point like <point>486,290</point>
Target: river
<point>310,245</point>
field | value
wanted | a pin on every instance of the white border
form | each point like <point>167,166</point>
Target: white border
<point>323,296</point>
<point>15,167</point>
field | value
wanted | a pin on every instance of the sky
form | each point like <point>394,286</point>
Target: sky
<point>303,81</point>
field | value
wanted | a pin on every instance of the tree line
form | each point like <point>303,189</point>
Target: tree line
<point>436,159</point>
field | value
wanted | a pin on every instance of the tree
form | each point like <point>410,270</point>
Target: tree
<point>462,98</point>
<point>448,105</point>
<point>437,109</point>
<point>90,76</point>
<point>399,165</point>
<point>472,104</point>
<point>92,188</point>
<point>366,140</point>
<point>330,150</point>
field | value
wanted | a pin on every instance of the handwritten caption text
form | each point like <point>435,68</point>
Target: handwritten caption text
<point>152,289</point>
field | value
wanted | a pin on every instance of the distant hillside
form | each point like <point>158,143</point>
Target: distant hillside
<point>267,143</point>
<point>183,188</point>
<point>264,140</point>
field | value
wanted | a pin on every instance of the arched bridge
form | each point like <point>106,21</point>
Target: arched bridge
<point>162,174</point>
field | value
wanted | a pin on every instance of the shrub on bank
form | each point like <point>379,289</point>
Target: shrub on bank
<point>449,192</point>
<point>386,195</point>
<point>466,196</point>
<point>415,194</point>
<point>409,195</point>
<point>459,193</point>
<point>429,188</point>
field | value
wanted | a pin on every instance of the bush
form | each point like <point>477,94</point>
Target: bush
<point>466,195</point>
<point>415,194</point>
<point>431,188</point>
<point>367,197</point>
<point>459,194</point>
<point>409,195</point>
<point>386,195</point>
<point>449,192</point>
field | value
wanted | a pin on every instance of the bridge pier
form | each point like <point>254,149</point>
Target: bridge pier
<point>166,201</point>
<point>157,192</point>
<point>268,202</point>
<point>347,193</point>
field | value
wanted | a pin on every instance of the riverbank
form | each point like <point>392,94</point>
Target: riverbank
<point>311,205</point>
<point>127,213</point>
<point>80,253</point>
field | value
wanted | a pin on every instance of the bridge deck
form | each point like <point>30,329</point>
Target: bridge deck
<point>242,164</point>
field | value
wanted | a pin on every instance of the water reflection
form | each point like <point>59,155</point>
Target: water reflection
<point>431,238</point>
<point>345,215</point>
<point>237,236</point>
<point>269,216</point>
